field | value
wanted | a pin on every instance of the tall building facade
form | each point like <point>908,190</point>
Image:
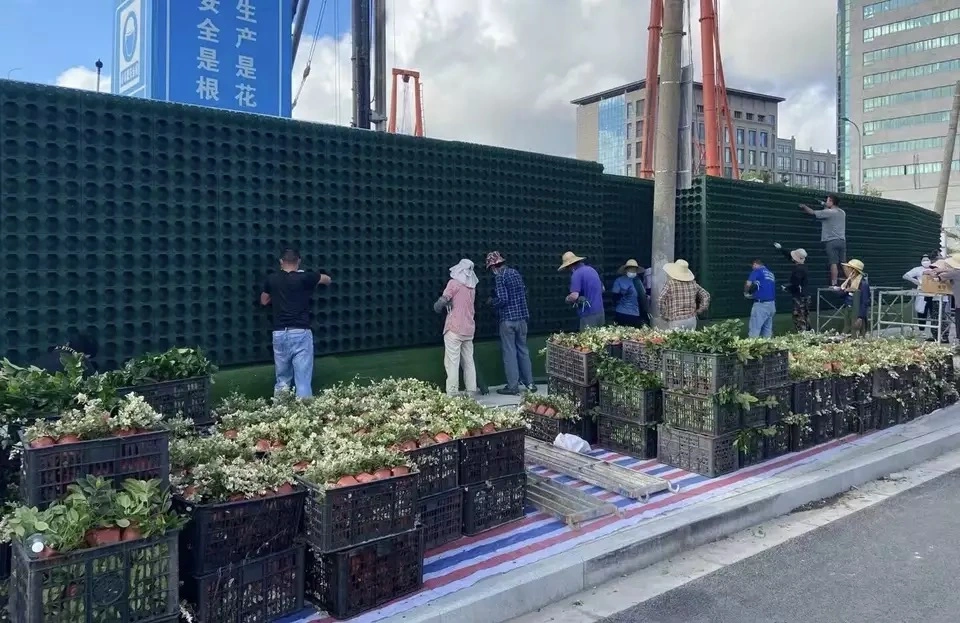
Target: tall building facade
<point>897,63</point>
<point>610,129</point>
<point>805,168</point>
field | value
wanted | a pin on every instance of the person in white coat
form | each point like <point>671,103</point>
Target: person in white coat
<point>924,306</point>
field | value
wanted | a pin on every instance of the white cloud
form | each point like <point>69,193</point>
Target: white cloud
<point>85,78</point>
<point>502,72</point>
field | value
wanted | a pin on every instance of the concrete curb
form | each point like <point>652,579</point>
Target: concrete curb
<point>512,594</point>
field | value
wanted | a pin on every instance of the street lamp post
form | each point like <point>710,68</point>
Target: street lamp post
<point>859,149</point>
<point>13,70</point>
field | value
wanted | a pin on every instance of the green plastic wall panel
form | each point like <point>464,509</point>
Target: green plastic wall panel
<point>153,224</point>
<point>742,220</point>
<point>627,220</point>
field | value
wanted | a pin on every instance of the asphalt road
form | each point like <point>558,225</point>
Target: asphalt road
<point>895,562</point>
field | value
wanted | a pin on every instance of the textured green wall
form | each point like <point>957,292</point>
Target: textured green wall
<point>152,225</point>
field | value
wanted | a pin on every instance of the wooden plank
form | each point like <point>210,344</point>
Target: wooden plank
<point>565,503</point>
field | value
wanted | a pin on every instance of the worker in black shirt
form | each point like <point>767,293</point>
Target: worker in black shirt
<point>798,288</point>
<point>290,293</point>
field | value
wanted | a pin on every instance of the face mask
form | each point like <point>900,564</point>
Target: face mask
<point>925,263</point>
<point>631,275</point>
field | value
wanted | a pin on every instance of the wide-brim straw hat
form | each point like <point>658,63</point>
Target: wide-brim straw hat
<point>494,259</point>
<point>799,255</point>
<point>569,259</point>
<point>679,270</point>
<point>953,261</point>
<point>630,264</point>
<point>856,265</point>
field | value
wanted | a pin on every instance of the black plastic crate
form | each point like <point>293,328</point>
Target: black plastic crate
<point>128,582</point>
<point>850,391</point>
<point>754,416</point>
<point>264,589</point>
<point>441,517</point>
<point>228,533</point>
<point>615,350</point>
<point>701,373</point>
<point>547,428</point>
<point>753,375</point>
<point>645,357</point>
<point>355,580</point>
<point>820,429</point>
<point>493,503</point>
<point>812,396</point>
<point>438,466</point>
<point>776,369</point>
<point>889,411</point>
<point>751,449</point>
<point>700,414</point>
<point>706,455</point>
<point>586,396</point>
<point>644,406</point>
<point>571,365</point>
<point>777,444</point>
<point>45,473</point>
<point>890,381</point>
<point>783,396</point>
<point>863,418</point>
<point>5,554</point>
<point>187,397</point>
<point>627,436</point>
<point>342,517</point>
<point>487,457</point>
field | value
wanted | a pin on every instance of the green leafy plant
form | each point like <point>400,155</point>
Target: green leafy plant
<point>617,372</point>
<point>172,365</point>
<point>721,338</point>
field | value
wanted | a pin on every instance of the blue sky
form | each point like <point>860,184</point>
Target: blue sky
<point>72,36</point>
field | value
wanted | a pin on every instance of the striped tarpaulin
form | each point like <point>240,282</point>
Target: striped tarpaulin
<point>537,536</point>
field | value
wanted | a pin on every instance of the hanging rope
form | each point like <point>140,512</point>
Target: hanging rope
<point>313,50</point>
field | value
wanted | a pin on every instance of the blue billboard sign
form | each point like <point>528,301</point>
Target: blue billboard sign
<point>132,52</point>
<point>230,54</point>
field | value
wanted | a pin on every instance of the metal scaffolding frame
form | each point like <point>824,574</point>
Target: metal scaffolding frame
<point>896,314</point>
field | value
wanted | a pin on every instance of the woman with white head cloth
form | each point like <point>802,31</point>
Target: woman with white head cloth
<point>458,300</point>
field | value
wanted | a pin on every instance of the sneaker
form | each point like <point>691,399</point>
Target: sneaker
<point>506,391</point>
<point>532,389</point>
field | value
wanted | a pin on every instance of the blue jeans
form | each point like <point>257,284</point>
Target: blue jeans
<point>761,319</point>
<point>597,319</point>
<point>516,355</point>
<point>293,357</point>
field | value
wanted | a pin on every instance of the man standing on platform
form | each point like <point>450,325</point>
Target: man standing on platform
<point>833,233</point>
<point>290,292</point>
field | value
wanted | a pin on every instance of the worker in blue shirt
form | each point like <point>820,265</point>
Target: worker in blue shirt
<point>761,286</point>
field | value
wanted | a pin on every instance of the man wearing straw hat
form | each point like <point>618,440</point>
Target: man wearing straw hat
<point>631,310</point>
<point>510,303</point>
<point>586,290</point>
<point>682,299</point>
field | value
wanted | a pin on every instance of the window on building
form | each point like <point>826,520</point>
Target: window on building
<point>737,114</point>
<point>700,131</point>
<point>869,34</point>
<point>629,167</point>
<point>833,168</point>
<point>629,129</point>
<point>906,49</point>
<point>726,154</point>
<point>629,109</point>
<point>749,116</point>
<point>639,129</point>
<point>700,108</point>
<point>639,149</point>
<point>740,156</point>
<point>728,171</point>
<point>752,138</point>
<point>908,73</point>
<point>761,118</point>
<point>764,162</point>
<point>920,144</point>
<point>629,155</point>
<point>804,166</point>
<point>907,97</point>
<point>773,120</point>
<point>779,162</point>
<point>956,220</point>
<point>752,158</point>
<point>787,163</point>
<point>726,138</point>
<point>739,136</point>
<point>764,139</point>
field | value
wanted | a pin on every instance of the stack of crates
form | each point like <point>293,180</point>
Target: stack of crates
<point>364,547</point>
<point>493,479</point>
<point>240,560</point>
<point>439,499</point>
<point>764,433</point>
<point>699,428</point>
<point>573,374</point>
<point>142,575</point>
<point>628,416</point>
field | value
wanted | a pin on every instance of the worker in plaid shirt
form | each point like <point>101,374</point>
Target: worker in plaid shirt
<point>682,299</point>
<point>510,303</point>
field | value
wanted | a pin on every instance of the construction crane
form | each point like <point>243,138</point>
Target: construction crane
<point>406,75</point>
<point>716,109</point>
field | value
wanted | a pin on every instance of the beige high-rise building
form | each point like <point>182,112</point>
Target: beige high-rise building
<point>897,63</point>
